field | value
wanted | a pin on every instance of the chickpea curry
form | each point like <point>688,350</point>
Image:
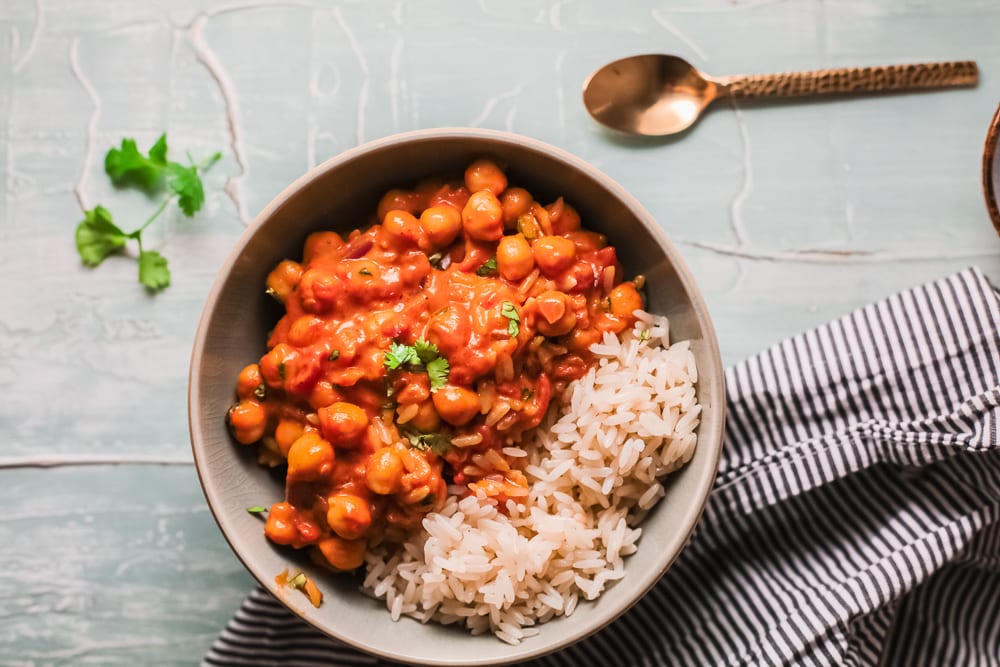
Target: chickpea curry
<point>413,352</point>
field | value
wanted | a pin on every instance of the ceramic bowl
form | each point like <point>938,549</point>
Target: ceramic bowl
<point>341,194</point>
<point>991,170</point>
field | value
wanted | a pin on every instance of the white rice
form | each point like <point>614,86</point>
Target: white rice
<point>593,470</point>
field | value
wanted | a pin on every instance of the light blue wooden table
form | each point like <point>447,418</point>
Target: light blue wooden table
<point>788,215</point>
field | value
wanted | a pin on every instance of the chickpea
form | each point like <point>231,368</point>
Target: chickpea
<point>249,381</point>
<point>554,254</point>
<point>450,329</point>
<point>441,224</point>
<point>322,395</point>
<point>280,527</point>
<point>384,471</point>
<point>273,364</point>
<point>557,315</point>
<point>247,420</point>
<point>564,217</point>
<point>515,203</point>
<point>427,419</point>
<point>581,339</point>
<point>305,331</point>
<point>343,554</point>
<point>587,241</point>
<point>514,257</point>
<point>482,217</point>
<point>319,244</point>
<point>318,290</point>
<point>286,433</point>
<point>310,458</point>
<point>484,174</point>
<point>348,515</point>
<point>625,299</point>
<point>403,229</point>
<point>399,200</point>
<point>283,280</point>
<point>456,405</point>
<point>343,424</point>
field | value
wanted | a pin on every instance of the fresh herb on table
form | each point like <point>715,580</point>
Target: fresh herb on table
<point>509,310</point>
<point>422,354</point>
<point>98,237</point>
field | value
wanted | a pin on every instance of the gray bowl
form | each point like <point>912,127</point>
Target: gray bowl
<point>340,194</point>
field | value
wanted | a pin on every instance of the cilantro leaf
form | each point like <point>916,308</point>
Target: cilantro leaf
<point>509,310</point>
<point>257,509</point>
<point>438,443</point>
<point>158,152</point>
<point>186,184</point>
<point>153,271</point>
<point>127,166</point>
<point>98,236</point>
<point>334,355</point>
<point>489,268</point>
<point>437,371</point>
<point>398,355</point>
<point>425,351</point>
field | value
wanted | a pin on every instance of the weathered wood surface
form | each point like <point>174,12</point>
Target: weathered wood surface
<point>788,214</point>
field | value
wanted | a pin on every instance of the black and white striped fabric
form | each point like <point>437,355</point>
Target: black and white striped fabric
<point>853,521</point>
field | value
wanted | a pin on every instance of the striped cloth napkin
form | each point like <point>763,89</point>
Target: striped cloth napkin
<point>853,521</point>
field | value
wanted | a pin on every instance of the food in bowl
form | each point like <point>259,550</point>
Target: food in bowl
<point>404,388</point>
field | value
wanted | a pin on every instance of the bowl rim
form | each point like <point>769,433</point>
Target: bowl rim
<point>991,155</point>
<point>712,438</point>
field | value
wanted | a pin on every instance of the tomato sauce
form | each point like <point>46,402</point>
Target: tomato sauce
<point>413,351</point>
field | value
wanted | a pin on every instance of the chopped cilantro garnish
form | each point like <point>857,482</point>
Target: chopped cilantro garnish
<point>438,443</point>
<point>489,268</point>
<point>425,351</point>
<point>421,353</point>
<point>260,392</point>
<point>437,371</point>
<point>398,355</point>
<point>509,310</point>
<point>334,355</point>
<point>257,509</point>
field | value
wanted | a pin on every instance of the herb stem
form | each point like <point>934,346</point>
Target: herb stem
<point>138,233</point>
<point>207,164</point>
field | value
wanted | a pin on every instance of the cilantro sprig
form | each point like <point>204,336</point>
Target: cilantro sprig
<point>421,355</point>
<point>98,236</point>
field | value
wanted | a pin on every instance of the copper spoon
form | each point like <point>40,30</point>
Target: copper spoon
<point>657,95</point>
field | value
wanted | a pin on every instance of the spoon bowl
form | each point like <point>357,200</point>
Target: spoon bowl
<point>656,95</point>
<point>653,95</point>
